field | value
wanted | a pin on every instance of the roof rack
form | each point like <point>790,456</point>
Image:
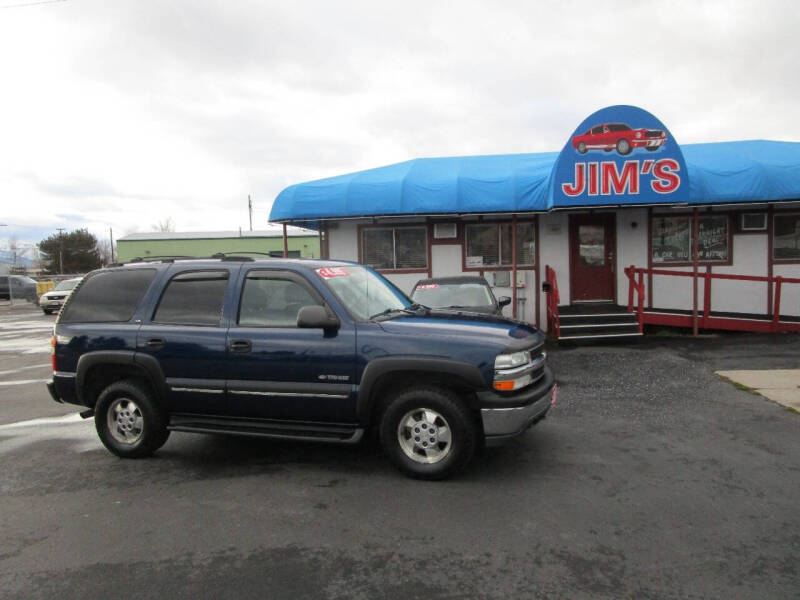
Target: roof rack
<point>232,257</point>
<point>165,258</point>
<point>225,256</point>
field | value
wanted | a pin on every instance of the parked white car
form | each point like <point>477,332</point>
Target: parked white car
<point>53,300</point>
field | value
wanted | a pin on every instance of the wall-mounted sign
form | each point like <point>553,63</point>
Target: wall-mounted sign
<point>620,155</point>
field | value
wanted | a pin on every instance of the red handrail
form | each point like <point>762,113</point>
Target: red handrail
<point>638,287</point>
<point>553,299</point>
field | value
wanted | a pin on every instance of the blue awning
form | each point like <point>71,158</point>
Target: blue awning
<point>719,173</point>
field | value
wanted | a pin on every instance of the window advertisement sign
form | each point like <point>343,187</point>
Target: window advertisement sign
<point>712,239</point>
<point>673,237</point>
<point>672,241</point>
<point>620,155</point>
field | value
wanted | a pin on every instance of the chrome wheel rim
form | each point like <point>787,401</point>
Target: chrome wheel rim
<point>424,435</point>
<point>624,146</point>
<point>125,421</point>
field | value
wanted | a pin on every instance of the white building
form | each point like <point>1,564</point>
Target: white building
<point>714,212</point>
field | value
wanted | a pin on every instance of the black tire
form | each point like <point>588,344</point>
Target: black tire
<point>456,417</point>
<point>581,148</point>
<point>652,148</point>
<point>151,432</point>
<point>624,147</point>
<point>47,311</point>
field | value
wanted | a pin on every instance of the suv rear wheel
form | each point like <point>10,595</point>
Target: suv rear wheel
<point>129,421</point>
<point>428,433</point>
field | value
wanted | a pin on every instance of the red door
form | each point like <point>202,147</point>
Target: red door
<point>592,242</point>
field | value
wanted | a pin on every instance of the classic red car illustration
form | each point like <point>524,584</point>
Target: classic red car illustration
<point>610,136</point>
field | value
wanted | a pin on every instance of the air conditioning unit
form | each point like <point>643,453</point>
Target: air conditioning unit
<point>753,222</point>
<point>445,231</point>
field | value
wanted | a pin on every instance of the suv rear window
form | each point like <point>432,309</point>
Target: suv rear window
<point>193,298</point>
<point>108,296</point>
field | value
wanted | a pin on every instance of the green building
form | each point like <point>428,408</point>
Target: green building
<point>302,243</point>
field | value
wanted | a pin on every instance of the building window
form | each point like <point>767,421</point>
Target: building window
<point>672,239</point>
<point>395,247</point>
<point>786,237</point>
<point>489,245</point>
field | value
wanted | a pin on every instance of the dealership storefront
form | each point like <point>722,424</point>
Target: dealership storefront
<point>704,235</point>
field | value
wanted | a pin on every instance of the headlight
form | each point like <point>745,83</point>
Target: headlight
<point>517,370</point>
<point>509,361</point>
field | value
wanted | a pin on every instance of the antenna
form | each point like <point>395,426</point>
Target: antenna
<point>250,210</point>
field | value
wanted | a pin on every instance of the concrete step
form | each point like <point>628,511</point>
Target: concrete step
<point>604,337</point>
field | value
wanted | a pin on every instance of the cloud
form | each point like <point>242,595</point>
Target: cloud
<point>128,112</point>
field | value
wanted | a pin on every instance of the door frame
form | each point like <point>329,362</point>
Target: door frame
<point>611,220</point>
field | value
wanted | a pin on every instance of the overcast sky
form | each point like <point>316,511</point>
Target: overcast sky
<point>126,112</point>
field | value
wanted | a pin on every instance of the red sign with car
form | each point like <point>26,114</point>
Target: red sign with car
<point>619,137</point>
<point>620,155</point>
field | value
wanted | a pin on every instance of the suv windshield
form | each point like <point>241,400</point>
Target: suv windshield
<point>443,295</point>
<point>363,292</point>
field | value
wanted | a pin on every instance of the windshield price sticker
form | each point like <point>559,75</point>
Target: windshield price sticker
<point>428,286</point>
<point>330,272</point>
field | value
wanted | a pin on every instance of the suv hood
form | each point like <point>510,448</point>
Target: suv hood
<point>56,293</point>
<point>465,327</point>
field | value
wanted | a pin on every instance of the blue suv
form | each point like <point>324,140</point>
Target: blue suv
<point>292,349</point>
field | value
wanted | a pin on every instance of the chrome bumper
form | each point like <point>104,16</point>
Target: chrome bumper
<point>513,421</point>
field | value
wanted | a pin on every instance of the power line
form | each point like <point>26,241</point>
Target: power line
<point>32,3</point>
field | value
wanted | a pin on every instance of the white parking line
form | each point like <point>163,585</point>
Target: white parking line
<point>25,346</point>
<point>18,369</point>
<point>70,418</point>
<point>23,381</point>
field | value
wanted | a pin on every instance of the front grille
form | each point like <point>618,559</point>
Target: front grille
<point>653,133</point>
<point>55,297</point>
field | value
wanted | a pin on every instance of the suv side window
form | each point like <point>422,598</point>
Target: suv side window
<point>193,298</point>
<point>273,300</point>
<point>107,296</point>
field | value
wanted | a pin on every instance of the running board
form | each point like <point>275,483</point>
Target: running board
<point>284,430</point>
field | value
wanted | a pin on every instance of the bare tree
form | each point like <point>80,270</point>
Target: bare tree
<point>104,251</point>
<point>167,224</point>
<point>13,249</point>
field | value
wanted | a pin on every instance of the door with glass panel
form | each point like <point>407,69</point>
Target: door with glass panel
<point>592,242</point>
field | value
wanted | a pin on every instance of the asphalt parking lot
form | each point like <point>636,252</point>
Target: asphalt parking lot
<point>652,478</point>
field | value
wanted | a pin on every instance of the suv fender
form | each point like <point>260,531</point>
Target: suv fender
<point>466,374</point>
<point>147,365</point>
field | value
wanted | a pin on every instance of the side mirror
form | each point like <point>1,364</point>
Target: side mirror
<point>503,301</point>
<point>316,317</point>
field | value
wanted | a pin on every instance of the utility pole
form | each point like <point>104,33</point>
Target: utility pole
<point>111,235</point>
<point>60,250</point>
<point>250,211</point>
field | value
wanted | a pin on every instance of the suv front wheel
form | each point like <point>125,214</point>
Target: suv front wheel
<point>129,421</point>
<point>428,433</point>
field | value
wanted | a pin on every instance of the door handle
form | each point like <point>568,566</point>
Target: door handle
<point>240,346</point>
<point>154,343</point>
